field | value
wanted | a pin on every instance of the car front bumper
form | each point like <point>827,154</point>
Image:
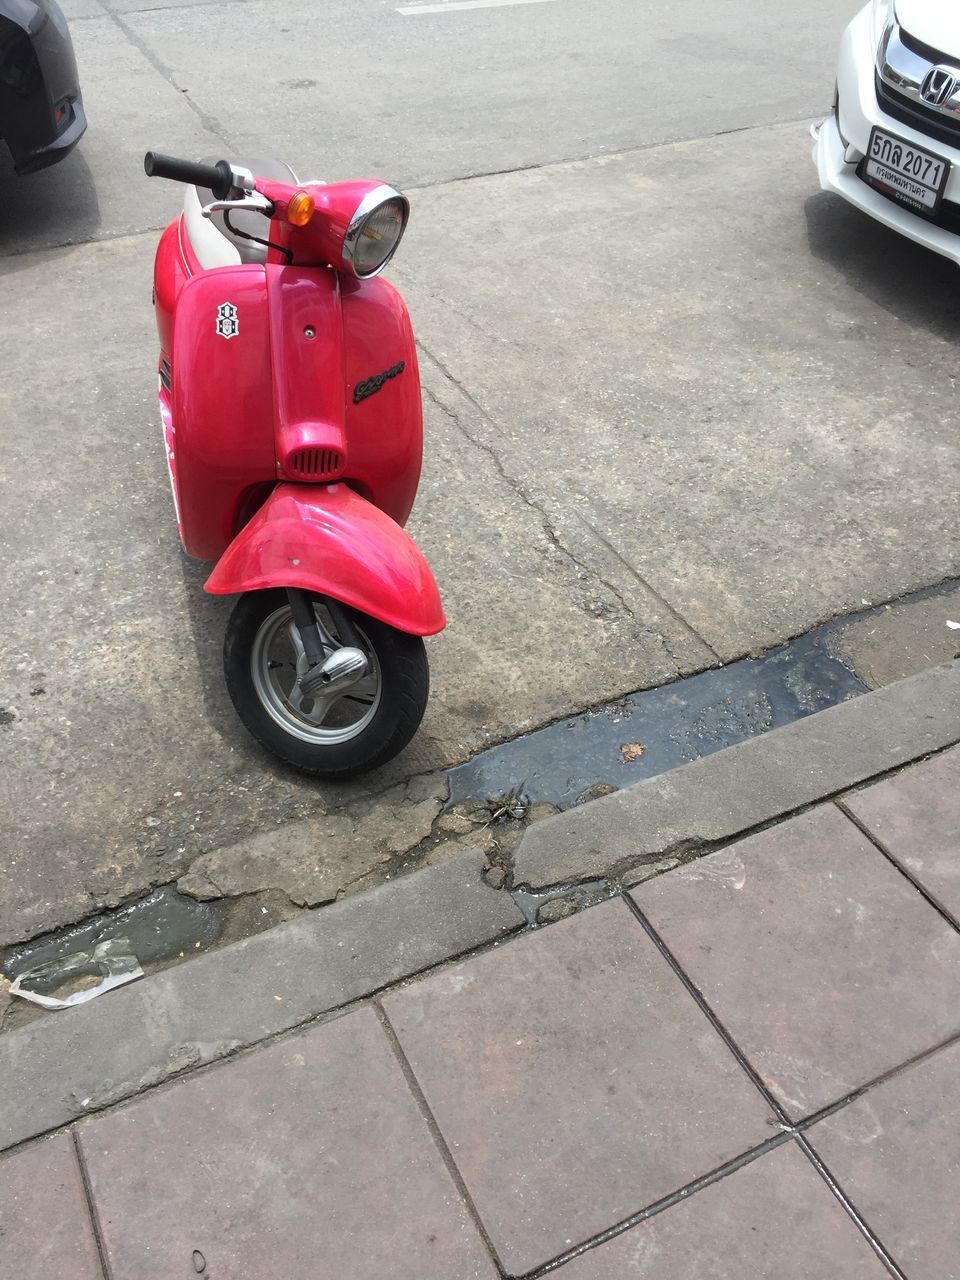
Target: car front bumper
<point>41,108</point>
<point>60,145</point>
<point>842,139</point>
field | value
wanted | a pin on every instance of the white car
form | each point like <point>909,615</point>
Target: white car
<point>892,143</point>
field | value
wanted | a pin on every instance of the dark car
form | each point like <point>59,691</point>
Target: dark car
<point>41,110</point>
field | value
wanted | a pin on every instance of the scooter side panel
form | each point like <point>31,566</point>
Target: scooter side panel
<point>223,439</point>
<point>169,276</point>
<point>327,539</point>
<point>384,416</point>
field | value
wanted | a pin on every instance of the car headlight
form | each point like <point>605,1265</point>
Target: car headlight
<point>375,230</point>
<point>883,18</point>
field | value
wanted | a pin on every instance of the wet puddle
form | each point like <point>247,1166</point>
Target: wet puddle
<point>647,733</point>
<point>585,893</point>
<point>160,927</point>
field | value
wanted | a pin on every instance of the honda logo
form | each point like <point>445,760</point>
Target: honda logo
<point>939,85</point>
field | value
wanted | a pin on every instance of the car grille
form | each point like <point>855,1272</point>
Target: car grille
<point>923,119</point>
<point>166,374</point>
<point>903,63</point>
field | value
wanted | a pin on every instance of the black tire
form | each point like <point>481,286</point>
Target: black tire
<point>404,683</point>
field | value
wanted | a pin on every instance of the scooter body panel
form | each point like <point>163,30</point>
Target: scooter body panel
<point>170,274</point>
<point>224,456</point>
<point>281,373</point>
<point>384,411</point>
<point>306,344</point>
<point>328,539</point>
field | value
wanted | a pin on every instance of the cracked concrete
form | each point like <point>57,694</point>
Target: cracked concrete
<point>314,862</point>
<point>595,605</point>
<point>695,401</point>
<point>523,491</point>
<point>683,648</point>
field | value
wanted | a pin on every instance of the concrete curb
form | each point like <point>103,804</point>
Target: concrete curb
<point>724,794</point>
<point>64,1066</point>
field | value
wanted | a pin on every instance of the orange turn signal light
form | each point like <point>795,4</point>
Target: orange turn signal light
<point>300,209</point>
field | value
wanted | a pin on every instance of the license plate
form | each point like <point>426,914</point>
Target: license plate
<point>906,173</point>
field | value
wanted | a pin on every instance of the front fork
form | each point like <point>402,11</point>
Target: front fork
<point>329,668</point>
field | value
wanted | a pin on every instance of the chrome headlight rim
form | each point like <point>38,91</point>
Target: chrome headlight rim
<point>367,207</point>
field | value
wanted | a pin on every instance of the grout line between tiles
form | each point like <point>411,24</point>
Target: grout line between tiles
<point>793,1129</point>
<point>705,1008</point>
<point>413,1084</point>
<point>658,1206</point>
<point>904,871</point>
<point>852,1211</point>
<point>825,1112</point>
<point>91,1205</point>
<point>307,1023</point>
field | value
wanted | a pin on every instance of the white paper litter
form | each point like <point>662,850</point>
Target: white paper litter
<point>113,958</point>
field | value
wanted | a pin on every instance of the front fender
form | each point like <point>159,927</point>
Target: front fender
<point>327,539</point>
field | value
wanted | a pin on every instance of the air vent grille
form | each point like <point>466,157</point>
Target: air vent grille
<point>315,464</point>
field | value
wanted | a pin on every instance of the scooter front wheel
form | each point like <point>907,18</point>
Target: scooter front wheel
<point>348,732</point>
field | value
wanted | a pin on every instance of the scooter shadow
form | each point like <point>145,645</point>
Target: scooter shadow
<point>208,619</point>
<point>56,206</point>
<point>913,283</point>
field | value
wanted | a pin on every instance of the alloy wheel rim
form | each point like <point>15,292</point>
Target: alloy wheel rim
<point>276,662</point>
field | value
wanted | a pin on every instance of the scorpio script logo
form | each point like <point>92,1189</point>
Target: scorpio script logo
<point>228,322</point>
<point>372,385</point>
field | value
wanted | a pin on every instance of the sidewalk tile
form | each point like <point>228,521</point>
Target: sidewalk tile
<point>822,961</point>
<point>916,816</point>
<point>575,1081</point>
<point>45,1228</point>
<point>309,1158</point>
<point>775,1219</point>
<point>896,1154</point>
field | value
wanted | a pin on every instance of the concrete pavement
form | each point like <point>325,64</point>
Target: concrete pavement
<point>747,1064</point>
<point>678,405</point>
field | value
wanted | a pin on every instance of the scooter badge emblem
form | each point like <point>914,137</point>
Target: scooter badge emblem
<point>372,385</point>
<point>228,322</point>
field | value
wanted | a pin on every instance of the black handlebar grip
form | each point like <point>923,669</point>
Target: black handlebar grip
<point>217,178</point>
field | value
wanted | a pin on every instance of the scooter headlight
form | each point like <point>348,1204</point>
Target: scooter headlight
<point>374,231</point>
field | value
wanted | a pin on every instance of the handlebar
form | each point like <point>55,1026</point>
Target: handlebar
<point>217,178</point>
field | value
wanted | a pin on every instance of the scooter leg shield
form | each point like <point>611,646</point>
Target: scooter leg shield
<point>328,540</point>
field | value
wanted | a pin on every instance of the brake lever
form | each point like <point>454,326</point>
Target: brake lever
<point>252,203</point>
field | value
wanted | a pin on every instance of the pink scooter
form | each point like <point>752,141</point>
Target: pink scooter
<point>290,400</point>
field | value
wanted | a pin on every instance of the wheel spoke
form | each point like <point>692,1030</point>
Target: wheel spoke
<point>320,709</point>
<point>367,687</point>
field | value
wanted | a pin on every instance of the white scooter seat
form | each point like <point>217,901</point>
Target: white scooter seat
<point>211,239</point>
